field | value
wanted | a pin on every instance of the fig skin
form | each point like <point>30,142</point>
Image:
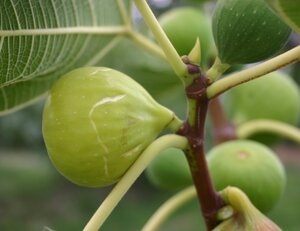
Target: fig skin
<point>247,31</point>
<point>169,170</point>
<point>183,25</point>
<point>96,122</point>
<point>250,166</point>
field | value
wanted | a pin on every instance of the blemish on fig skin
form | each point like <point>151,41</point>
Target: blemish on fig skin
<point>242,155</point>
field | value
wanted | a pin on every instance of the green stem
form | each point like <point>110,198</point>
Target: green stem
<point>216,70</point>
<point>173,57</point>
<point>169,207</point>
<point>130,176</point>
<point>256,126</point>
<point>266,67</point>
<point>175,124</point>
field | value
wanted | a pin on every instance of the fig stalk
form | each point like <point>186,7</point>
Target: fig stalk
<point>169,50</point>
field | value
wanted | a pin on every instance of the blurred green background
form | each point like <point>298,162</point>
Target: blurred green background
<point>34,196</point>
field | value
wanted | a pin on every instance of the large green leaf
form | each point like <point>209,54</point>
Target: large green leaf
<point>41,40</point>
<point>289,10</point>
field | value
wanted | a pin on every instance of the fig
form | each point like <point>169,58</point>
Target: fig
<point>250,166</point>
<point>183,26</point>
<point>96,122</point>
<point>274,96</point>
<point>170,170</point>
<point>247,31</point>
<point>246,217</point>
<point>288,11</point>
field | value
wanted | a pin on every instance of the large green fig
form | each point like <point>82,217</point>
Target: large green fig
<point>183,25</point>
<point>250,166</point>
<point>96,122</point>
<point>247,31</point>
<point>274,96</point>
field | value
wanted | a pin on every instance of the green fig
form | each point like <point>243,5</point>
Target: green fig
<point>250,166</point>
<point>170,170</point>
<point>274,96</point>
<point>183,26</point>
<point>246,217</point>
<point>288,10</point>
<point>96,122</point>
<point>247,31</point>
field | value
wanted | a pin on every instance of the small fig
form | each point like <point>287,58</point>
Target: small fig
<point>246,217</point>
<point>250,166</point>
<point>170,170</point>
<point>183,26</point>
<point>247,31</point>
<point>274,96</point>
<point>96,122</point>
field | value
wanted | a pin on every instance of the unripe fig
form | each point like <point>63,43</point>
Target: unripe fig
<point>183,26</point>
<point>288,11</point>
<point>247,31</point>
<point>170,170</point>
<point>250,166</point>
<point>274,96</point>
<point>246,217</point>
<point>96,122</point>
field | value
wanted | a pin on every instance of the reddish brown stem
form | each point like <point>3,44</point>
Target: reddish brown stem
<point>223,130</point>
<point>210,200</point>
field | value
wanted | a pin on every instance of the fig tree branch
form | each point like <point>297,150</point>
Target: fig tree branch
<point>259,70</point>
<point>193,129</point>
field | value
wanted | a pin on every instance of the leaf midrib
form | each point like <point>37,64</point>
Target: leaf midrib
<point>98,30</point>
